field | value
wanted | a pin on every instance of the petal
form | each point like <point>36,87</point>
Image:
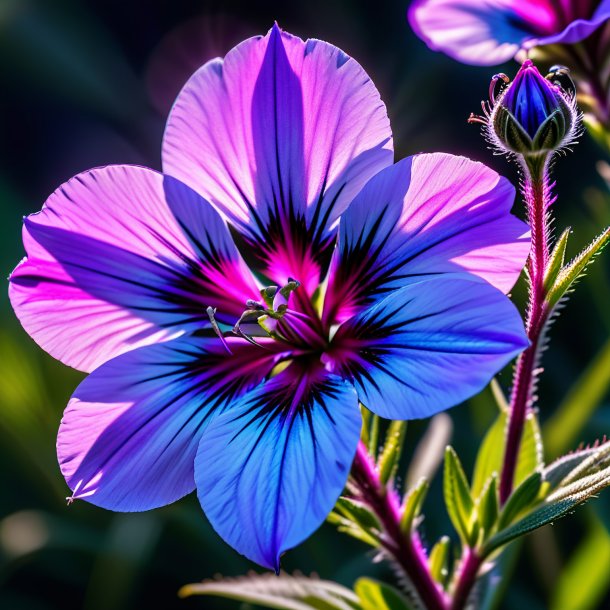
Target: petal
<point>488,32</point>
<point>580,28</point>
<point>427,214</point>
<point>479,32</point>
<point>279,136</point>
<point>429,346</point>
<point>121,257</point>
<point>129,436</point>
<point>269,471</point>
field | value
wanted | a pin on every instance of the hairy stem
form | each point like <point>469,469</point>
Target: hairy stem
<point>466,580</point>
<point>537,195</point>
<point>404,547</point>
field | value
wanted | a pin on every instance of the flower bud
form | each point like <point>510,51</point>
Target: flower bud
<point>533,114</point>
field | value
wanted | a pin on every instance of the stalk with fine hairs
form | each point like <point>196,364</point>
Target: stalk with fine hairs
<point>537,195</point>
<point>405,548</point>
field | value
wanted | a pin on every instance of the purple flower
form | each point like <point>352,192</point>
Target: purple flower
<point>488,32</point>
<point>132,274</point>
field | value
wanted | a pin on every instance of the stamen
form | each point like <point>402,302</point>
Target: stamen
<point>211,311</point>
<point>493,85</point>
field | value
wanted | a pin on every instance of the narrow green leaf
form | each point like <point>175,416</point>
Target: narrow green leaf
<point>412,505</point>
<point>555,472</point>
<point>374,435</point>
<point>388,461</point>
<point>488,507</point>
<point>556,259</point>
<point>550,510</point>
<point>520,500</point>
<point>438,560</point>
<point>574,270</point>
<point>365,431</point>
<point>357,512</point>
<point>458,500</point>
<point>499,396</point>
<point>375,595</point>
<point>282,592</point>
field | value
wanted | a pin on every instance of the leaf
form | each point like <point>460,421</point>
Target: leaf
<point>556,259</point>
<point>388,461</point>
<point>491,453</point>
<point>488,507</point>
<point>357,512</point>
<point>555,472</point>
<point>438,560</point>
<point>458,500</point>
<point>564,427</point>
<point>570,274</point>
<point>282,592</point>
<point>412,505</point>
<point>521,499</point>
<point>375,595</point>
<point>553,508</point>
<point>586,578</point>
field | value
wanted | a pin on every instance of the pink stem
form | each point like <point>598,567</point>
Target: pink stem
<point>536,191</point>
<point>405,548</point>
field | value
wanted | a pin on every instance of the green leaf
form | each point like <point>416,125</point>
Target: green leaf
<point>357,513</point>
<point>574,270</point>
<point>563,428</point>
<point>458,500</point>
<point>491,453</point>
<point>388,461</point>
<point>375,595</point>
<point>555,472</point>
<point>438,560</point>
<point>556,505</point>
<point>412,505</point>
<point>556,259</point>
<point>521,499</point>
<point>488,507</point>
<point>282,592</point>
<point>586,578</point>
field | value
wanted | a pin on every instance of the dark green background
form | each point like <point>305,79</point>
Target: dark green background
<point>89,83</point>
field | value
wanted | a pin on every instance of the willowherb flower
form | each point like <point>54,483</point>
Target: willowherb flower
<point>533,114</point>
<point>488,32</point>
<point>387,288</point>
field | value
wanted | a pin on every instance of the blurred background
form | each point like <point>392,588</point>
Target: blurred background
<point>89,83</point>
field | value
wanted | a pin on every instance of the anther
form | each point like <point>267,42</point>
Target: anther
<point>211,311</point>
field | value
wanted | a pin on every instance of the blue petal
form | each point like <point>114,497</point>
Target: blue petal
<point>427,214</point>
<point>129,435</point>
<point>429,346</point>
<point>269,471</point>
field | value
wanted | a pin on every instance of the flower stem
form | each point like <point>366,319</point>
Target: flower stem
<point>538,198</point>
<point>404,547</point>
<point>466,579</point>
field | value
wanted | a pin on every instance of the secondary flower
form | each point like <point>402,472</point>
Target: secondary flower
<point>533,114</point>
<point>386,288</point>
<point>488,32</point>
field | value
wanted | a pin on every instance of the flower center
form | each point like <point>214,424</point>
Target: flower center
<point>282,317</point>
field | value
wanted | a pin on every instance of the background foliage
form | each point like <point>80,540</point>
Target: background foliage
<point>89,83</point>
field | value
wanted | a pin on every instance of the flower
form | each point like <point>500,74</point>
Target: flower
<point>388,286</point>
<point>533,115</point>
<point>488,32</point>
